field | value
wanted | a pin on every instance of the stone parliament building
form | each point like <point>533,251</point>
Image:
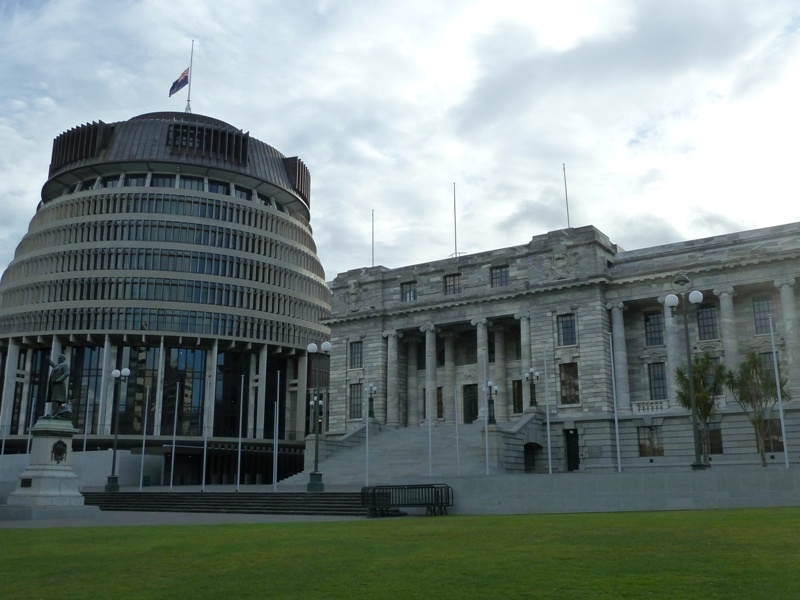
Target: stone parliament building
<point>567,344</point>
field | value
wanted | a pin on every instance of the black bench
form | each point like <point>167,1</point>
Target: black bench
<point>380,500</point>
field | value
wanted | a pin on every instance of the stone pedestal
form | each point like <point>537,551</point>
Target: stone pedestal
<point>48,489</point>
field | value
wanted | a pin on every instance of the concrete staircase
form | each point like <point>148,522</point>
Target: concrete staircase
<point>262,503</point>
<point>401,456</point>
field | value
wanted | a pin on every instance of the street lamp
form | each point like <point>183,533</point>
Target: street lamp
<point>532,377</point>
<point>371,389</point>
<point>490,387</point>
<point>112,485</point>
<point>681,284</point>
<point>315,477</point>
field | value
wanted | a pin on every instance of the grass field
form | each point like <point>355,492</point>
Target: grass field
<point>742,554</point>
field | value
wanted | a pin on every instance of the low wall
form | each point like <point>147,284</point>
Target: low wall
<point>615,492</point>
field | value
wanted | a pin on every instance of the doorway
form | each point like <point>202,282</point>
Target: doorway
<point>573,451</point>
<point>470,403</point>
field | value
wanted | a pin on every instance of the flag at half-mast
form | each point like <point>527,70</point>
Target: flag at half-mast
<point>180,83</point>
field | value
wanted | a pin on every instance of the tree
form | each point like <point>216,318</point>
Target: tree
<point>709,382</point>
<point>753,386</point>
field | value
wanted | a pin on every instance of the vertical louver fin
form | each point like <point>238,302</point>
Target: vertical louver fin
<point>299,176</point>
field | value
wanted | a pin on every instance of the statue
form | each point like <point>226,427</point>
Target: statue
<point>61,407</point>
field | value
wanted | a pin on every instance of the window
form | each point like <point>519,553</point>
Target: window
<point>569,383</point>
<point>707,323</point>
<point>650,442</point>
<point>355,401</point>
<point>218,187</point>
<point>109,182</point>
<point>762,309</point>
<point>516,395</point>
<point>567,332</point>
<point>164,181</point>
<point>439,403</point>
<point>773,440</point>
<point>715,438</point>
<point>657,375</point>
<point>192,183</point>
<point>768,364</point>
<point>654,329</point>
<point>452,284</point>
<point>499,276</point>
<point>356,355</point>
<point>135,180</point>
<point>408,291</point>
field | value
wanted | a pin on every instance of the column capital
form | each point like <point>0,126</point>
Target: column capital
<point>392,333</point>
<point>481,321</point>
<point>782,281</point>
<point>523,315</point>
<point>429,326</point>
<point>723,290</point>
<point>615,304</point>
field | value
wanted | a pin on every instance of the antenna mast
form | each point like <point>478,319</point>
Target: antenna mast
<point>566,198</point>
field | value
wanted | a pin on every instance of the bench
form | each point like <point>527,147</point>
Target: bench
<point>380,500</point>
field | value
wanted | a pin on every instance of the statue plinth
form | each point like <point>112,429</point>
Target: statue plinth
<point>49,487</point>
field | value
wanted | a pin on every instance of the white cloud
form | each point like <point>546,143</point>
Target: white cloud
<point>674,119</point>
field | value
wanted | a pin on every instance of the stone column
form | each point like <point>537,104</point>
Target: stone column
<point>159,389</point>
<point>501,411</point>
<point>525,356</point>
<point>673,352</point>
<point>10,380</point>
<point>481,326</point>
<point>261,396</point>
<point>448,395</point>
<point>430,370</point>
<point>392,380</point>
<point>789,321</point>
<point>730,345</point>
<point>210,391</point>
<point>412,395</point>
<point>620,353</point>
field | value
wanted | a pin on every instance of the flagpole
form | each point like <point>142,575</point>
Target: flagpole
<point>189,95</point>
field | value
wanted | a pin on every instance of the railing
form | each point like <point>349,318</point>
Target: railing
<point>650,406</point>
<point>379,500</point>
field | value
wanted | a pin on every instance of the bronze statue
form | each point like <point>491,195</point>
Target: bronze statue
<point>61,407</point>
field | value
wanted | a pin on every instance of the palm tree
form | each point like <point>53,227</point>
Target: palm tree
<point>753,386</point>
<point>709,380</point>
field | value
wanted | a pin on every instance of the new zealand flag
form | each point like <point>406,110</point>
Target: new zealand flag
<point>180,83</point>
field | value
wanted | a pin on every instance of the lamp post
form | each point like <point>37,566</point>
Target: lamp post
<point>490,388</point>
<point>371,389</point>
<point>532,377</point>
<point>112,485</point>
<point>315,477</point>
<point>681,283</point>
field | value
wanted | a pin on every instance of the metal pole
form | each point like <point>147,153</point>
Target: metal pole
<point>458,448</point>
<point>614,397</point>
<point>275,435</point>
<point>547,415</point>
<point>778,390</point>
<point>144,434</point>
<point>239,452</point>
<point>205,454</point>
<point>486,406</point>
<point>86,422</point>
<point>430,365</point>
<point>174,434</point>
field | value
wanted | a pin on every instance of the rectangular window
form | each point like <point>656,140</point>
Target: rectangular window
<point>356,355</point>
<point>657,375</point>
<point>650,442</point>
<point>567,330</point>
<point>762,309</point>
<point>192,183</point>
<point>135,180</point>
<point>715,438</point>
<point>499,276</point>
<point>516,395</point>
<point>408,291</point>
<point>355,401</point>
<point>654,328</point>
<point>452,284</point>
<point>773,440</point>
<point>110,182</point>
<point>163,181</point>
<point>218,187</point>
<point>707,323</point>
<point>768,364</point>
<point>569,383</point>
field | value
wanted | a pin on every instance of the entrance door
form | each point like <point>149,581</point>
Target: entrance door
<point>470,403</point>
<point>573,453</point>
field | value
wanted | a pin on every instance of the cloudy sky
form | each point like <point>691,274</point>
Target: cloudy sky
<point>675,119</point>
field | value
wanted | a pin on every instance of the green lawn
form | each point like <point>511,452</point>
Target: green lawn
<point>742,554</point>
